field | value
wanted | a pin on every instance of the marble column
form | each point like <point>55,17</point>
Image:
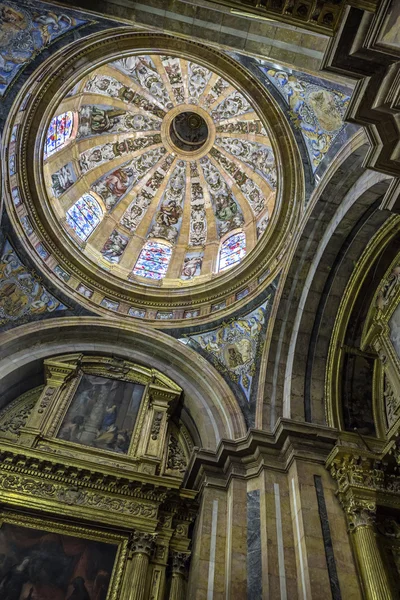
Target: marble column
<point>372,570</point>
<point>141,548</point>
<point>179,570</point>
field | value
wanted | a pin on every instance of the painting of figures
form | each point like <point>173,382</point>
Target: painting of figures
<point>102,413</point>
<point>40,565</point>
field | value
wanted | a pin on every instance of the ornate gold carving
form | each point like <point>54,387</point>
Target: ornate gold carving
<point>142,543</point>
<point>392,403</point>
<point>75,496</point>
<point>16,415</point>
<point>360,514</point>
<point>155,428</point>
<point>45,401</point>
<point>357,470</point>
<point>155,584</point>
<point>389,288</point>
<point>176,460</point>
<point>179,562</point>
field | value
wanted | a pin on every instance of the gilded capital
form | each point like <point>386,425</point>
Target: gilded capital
<point>179,562</point>
<point>361,515</point>
<point>142,543</point>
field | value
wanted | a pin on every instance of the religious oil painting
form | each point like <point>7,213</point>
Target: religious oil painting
<point>40,565</point>
<point>102,413</point>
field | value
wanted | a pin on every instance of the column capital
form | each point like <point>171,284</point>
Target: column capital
<point>360,514</point>
<point>142,543</point>
<point>179,561</point>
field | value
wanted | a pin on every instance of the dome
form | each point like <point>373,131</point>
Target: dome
<point>150,180</point>
<point>160,170</point>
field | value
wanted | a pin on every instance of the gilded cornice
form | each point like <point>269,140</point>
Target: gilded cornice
<point>73,487</point>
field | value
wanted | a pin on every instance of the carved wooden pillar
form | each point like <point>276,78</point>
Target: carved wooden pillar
<point>372,570</point>
<point>179,572</point>
<point>142,546</point>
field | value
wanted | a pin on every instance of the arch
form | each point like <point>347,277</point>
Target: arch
<point>84,216</point>
<point>153,260</point>
<point>210,410</point>
<point>343,216</point>
<point>59,132</point>
<point>232,250</point>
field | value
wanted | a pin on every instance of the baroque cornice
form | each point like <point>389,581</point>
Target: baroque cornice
<point>36,464</point>
<point>248,456</point>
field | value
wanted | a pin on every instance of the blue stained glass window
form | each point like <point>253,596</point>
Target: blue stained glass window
<point>153,260</point>
<point>59,132</point>
<point>84,216</point>
<point>233,249</point>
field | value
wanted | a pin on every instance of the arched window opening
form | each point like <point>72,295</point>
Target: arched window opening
<point>232,250</point>
<point>153,260</point>
<point>84,216</point>
<point>59,132</point>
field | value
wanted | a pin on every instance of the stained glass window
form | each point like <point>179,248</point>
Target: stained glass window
<point>153,260</point>
<point>233,249</point>
<point>84,216</point>
<point>59,132</point>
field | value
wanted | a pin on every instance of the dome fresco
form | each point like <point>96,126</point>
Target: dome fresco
<point>160,170</point>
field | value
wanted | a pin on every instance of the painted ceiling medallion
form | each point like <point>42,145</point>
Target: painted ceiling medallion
<point>160,170</point>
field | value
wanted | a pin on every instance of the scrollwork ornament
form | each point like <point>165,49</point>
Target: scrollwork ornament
<point>176,460</point>
<point>356,470</point>
<point>179,562</point>
<point>45,400</point>
<point>142,543</point>
<point>18,419</point>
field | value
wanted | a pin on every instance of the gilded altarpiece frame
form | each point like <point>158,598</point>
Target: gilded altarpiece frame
<point>63,377</point>
<point>135,499</point>
<point>88,536</point>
